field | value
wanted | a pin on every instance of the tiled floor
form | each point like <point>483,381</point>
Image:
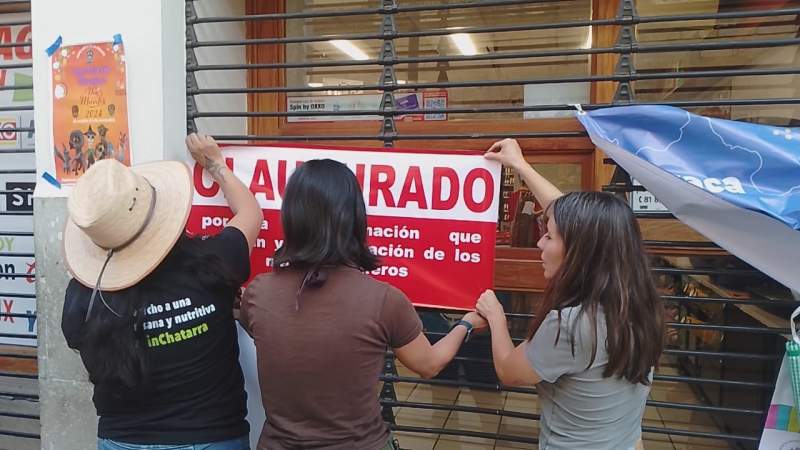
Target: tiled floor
<point>524,427</point>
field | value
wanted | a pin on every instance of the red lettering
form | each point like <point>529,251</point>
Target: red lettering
<point>5,38</point>
<point>198,180</point>
<point>31,271</point>
<point>7,305</point>
<point>262,182</point>
<point>413,180</point>
<point>24,36</point>
<point>376,184</point>
<point>200,187</point>
<point>488,183</point>
<point>360,175</point>
<point>283,175</point>
<point>439,174</point>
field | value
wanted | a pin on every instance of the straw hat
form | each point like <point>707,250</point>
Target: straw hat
<point>127,218</point>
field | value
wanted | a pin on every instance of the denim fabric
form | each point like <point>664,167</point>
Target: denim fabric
<point>242,443</point>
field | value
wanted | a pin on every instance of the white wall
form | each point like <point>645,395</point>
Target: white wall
<point>153,34</point>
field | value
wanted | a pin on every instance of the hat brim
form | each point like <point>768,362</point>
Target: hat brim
<point>172,182</point>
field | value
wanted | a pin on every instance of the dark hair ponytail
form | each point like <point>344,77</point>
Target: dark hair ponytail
<point>324,219</point>
<point>113,345</point>
<point>113,348</point>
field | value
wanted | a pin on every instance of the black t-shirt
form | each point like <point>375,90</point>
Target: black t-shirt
<point>195,393</point>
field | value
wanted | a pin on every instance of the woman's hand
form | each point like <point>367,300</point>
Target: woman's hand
<point>205,151</point>
<point>489,307</point>
<point>247,213</point>
<point>476,320</point>
<point>508,153</point>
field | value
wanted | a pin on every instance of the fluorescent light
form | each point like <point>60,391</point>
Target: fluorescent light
<point>401,81</point>
<point>464,43</point>
<point>315,85</point>
<point>351,50</point>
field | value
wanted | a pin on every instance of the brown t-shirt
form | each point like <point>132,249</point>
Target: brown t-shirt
<point>320,356</point>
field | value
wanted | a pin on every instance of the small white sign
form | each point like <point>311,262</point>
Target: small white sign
<point>644,201</point>
<point>554,94</point>
<point>366,102</point>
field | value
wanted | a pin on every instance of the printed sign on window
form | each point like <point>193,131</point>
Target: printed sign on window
<point>406,102</point>
<point>17,267</point>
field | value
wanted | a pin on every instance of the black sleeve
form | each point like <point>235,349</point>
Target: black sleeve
<point>76,301</point>
<point>231,247</point>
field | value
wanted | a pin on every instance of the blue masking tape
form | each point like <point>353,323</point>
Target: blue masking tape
<point>50,179</point>
<point>52,49</point>
<point>117,39</point>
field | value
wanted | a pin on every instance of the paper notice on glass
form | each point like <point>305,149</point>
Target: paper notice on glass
<point>317,106</point>
<point>554,94</point>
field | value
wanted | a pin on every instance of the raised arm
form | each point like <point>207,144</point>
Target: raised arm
<point>508,153</point>
<point>247,212</point>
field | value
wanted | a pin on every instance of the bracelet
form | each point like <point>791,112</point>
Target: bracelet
<point>466,325</point>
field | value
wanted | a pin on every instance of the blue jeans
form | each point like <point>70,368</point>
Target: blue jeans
<point>242,443</point>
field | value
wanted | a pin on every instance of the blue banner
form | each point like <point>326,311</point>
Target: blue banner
<point>755,167</point>
<point>736,183</point>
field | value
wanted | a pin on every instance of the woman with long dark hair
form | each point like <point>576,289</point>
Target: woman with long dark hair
<point>150,309</point>
<point>322,325</point>
<point>598,333</point>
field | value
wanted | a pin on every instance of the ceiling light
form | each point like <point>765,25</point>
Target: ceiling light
<point>350,49</point>
<point>464,43</point>
<point>315,85</point>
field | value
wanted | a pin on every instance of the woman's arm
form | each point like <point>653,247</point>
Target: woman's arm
<point>247,212</point>
<point>508,153</point>
<point>510,363</point>
<point>428,360</point>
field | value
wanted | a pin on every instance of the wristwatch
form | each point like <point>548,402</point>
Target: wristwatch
<point>466,325</point>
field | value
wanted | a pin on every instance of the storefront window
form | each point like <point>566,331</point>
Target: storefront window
<point>519,210</point>
<point>722,87</point>
<point>452,44</point>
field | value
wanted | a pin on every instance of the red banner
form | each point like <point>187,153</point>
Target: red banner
<point>432,215</point>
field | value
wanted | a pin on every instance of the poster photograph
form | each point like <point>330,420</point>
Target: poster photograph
<point>90,108</point>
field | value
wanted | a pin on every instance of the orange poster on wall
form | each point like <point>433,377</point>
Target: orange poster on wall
<point>90,107</point>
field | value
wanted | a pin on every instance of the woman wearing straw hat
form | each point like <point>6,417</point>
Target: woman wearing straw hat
<point>151,309</point>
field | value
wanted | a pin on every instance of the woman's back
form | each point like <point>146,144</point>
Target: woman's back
<point>320,354</point>
<point>195,388</point>
<point>580,407</point>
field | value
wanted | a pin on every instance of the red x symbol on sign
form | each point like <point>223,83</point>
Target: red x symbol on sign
<point>7,305</point>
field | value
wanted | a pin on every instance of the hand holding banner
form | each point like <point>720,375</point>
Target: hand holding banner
<point>432,216</point>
